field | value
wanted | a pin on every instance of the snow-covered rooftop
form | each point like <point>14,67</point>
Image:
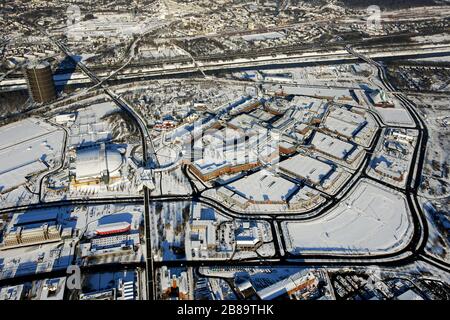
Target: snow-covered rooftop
<point>307,168</point>
<point>331,146</point>
<point>264,186</point>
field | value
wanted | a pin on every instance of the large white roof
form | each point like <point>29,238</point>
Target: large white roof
<point>306,168</point>
<point>332,146</point>
<point>91,162</point>
<point>372,219</point>
<point>264,186</point>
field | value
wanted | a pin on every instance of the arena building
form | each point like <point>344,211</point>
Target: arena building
<point>97,164</point>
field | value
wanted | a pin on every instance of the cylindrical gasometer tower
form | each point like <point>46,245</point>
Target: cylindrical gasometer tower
<point>40,82</point>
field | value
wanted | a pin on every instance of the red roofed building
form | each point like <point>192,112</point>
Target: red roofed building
<point>113,228</point>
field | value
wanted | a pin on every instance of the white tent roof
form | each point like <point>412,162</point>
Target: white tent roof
<point>91,162</point>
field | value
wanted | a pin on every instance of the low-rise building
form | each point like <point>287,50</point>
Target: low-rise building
<point>379,98</point>
<point>306,168</point>
<point>12,293</point>
<point>172,286</point>
<point>65,118</point>
<point>51,289</point>
<point>248,236</point>
<point>297,282</point>
<point>33,236</point>
<point>113,228</point>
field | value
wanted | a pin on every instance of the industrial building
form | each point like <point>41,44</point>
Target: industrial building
<point>335,148</point>
<point>12,293</point>
<point>51,289</point>
<point>201,235</point>
<point>122,290</point>
<point>112,238</point>
<point>393,172</point>
<point>40,82</point>
<point>231,150</point>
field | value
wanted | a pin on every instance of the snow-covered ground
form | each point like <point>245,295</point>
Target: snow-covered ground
<point>89,126</point>
<point>263,36</point>
<point>43,257</point>
<point>27,147</point>
<point>373,219</point>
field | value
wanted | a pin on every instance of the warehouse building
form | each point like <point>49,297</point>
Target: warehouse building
<point>306,168</point>
<point>298,283</point>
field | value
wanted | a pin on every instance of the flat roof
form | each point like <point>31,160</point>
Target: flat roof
<point>332,146</point>
<point>113,227</point>
<point>306,168</point>
<point>341,127</point>
<point>38,65</point>
<point>372,219</point>
<point>263,186</point>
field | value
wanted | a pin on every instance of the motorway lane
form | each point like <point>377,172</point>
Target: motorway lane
<point>405,257</point>
<point>415,246</point>
<point>145,137</point>
<point>412,184</point>
<point>63,159</point>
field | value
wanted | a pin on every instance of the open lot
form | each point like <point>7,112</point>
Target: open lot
<point>27,148</point>
<point>371,220</point>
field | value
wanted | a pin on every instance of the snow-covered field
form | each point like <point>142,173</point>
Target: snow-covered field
<point>321,92</point>
<point>373,219</point>
<point>27,147</point>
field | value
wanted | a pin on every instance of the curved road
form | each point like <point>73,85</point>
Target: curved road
<point>414,251</point>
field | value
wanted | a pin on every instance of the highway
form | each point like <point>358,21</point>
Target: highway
<point>71,202</point>
<point>63,160</point>
<point>413,251</point>
<point>205,66</point>
<point>415,172</point>
<point>150,160</point>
